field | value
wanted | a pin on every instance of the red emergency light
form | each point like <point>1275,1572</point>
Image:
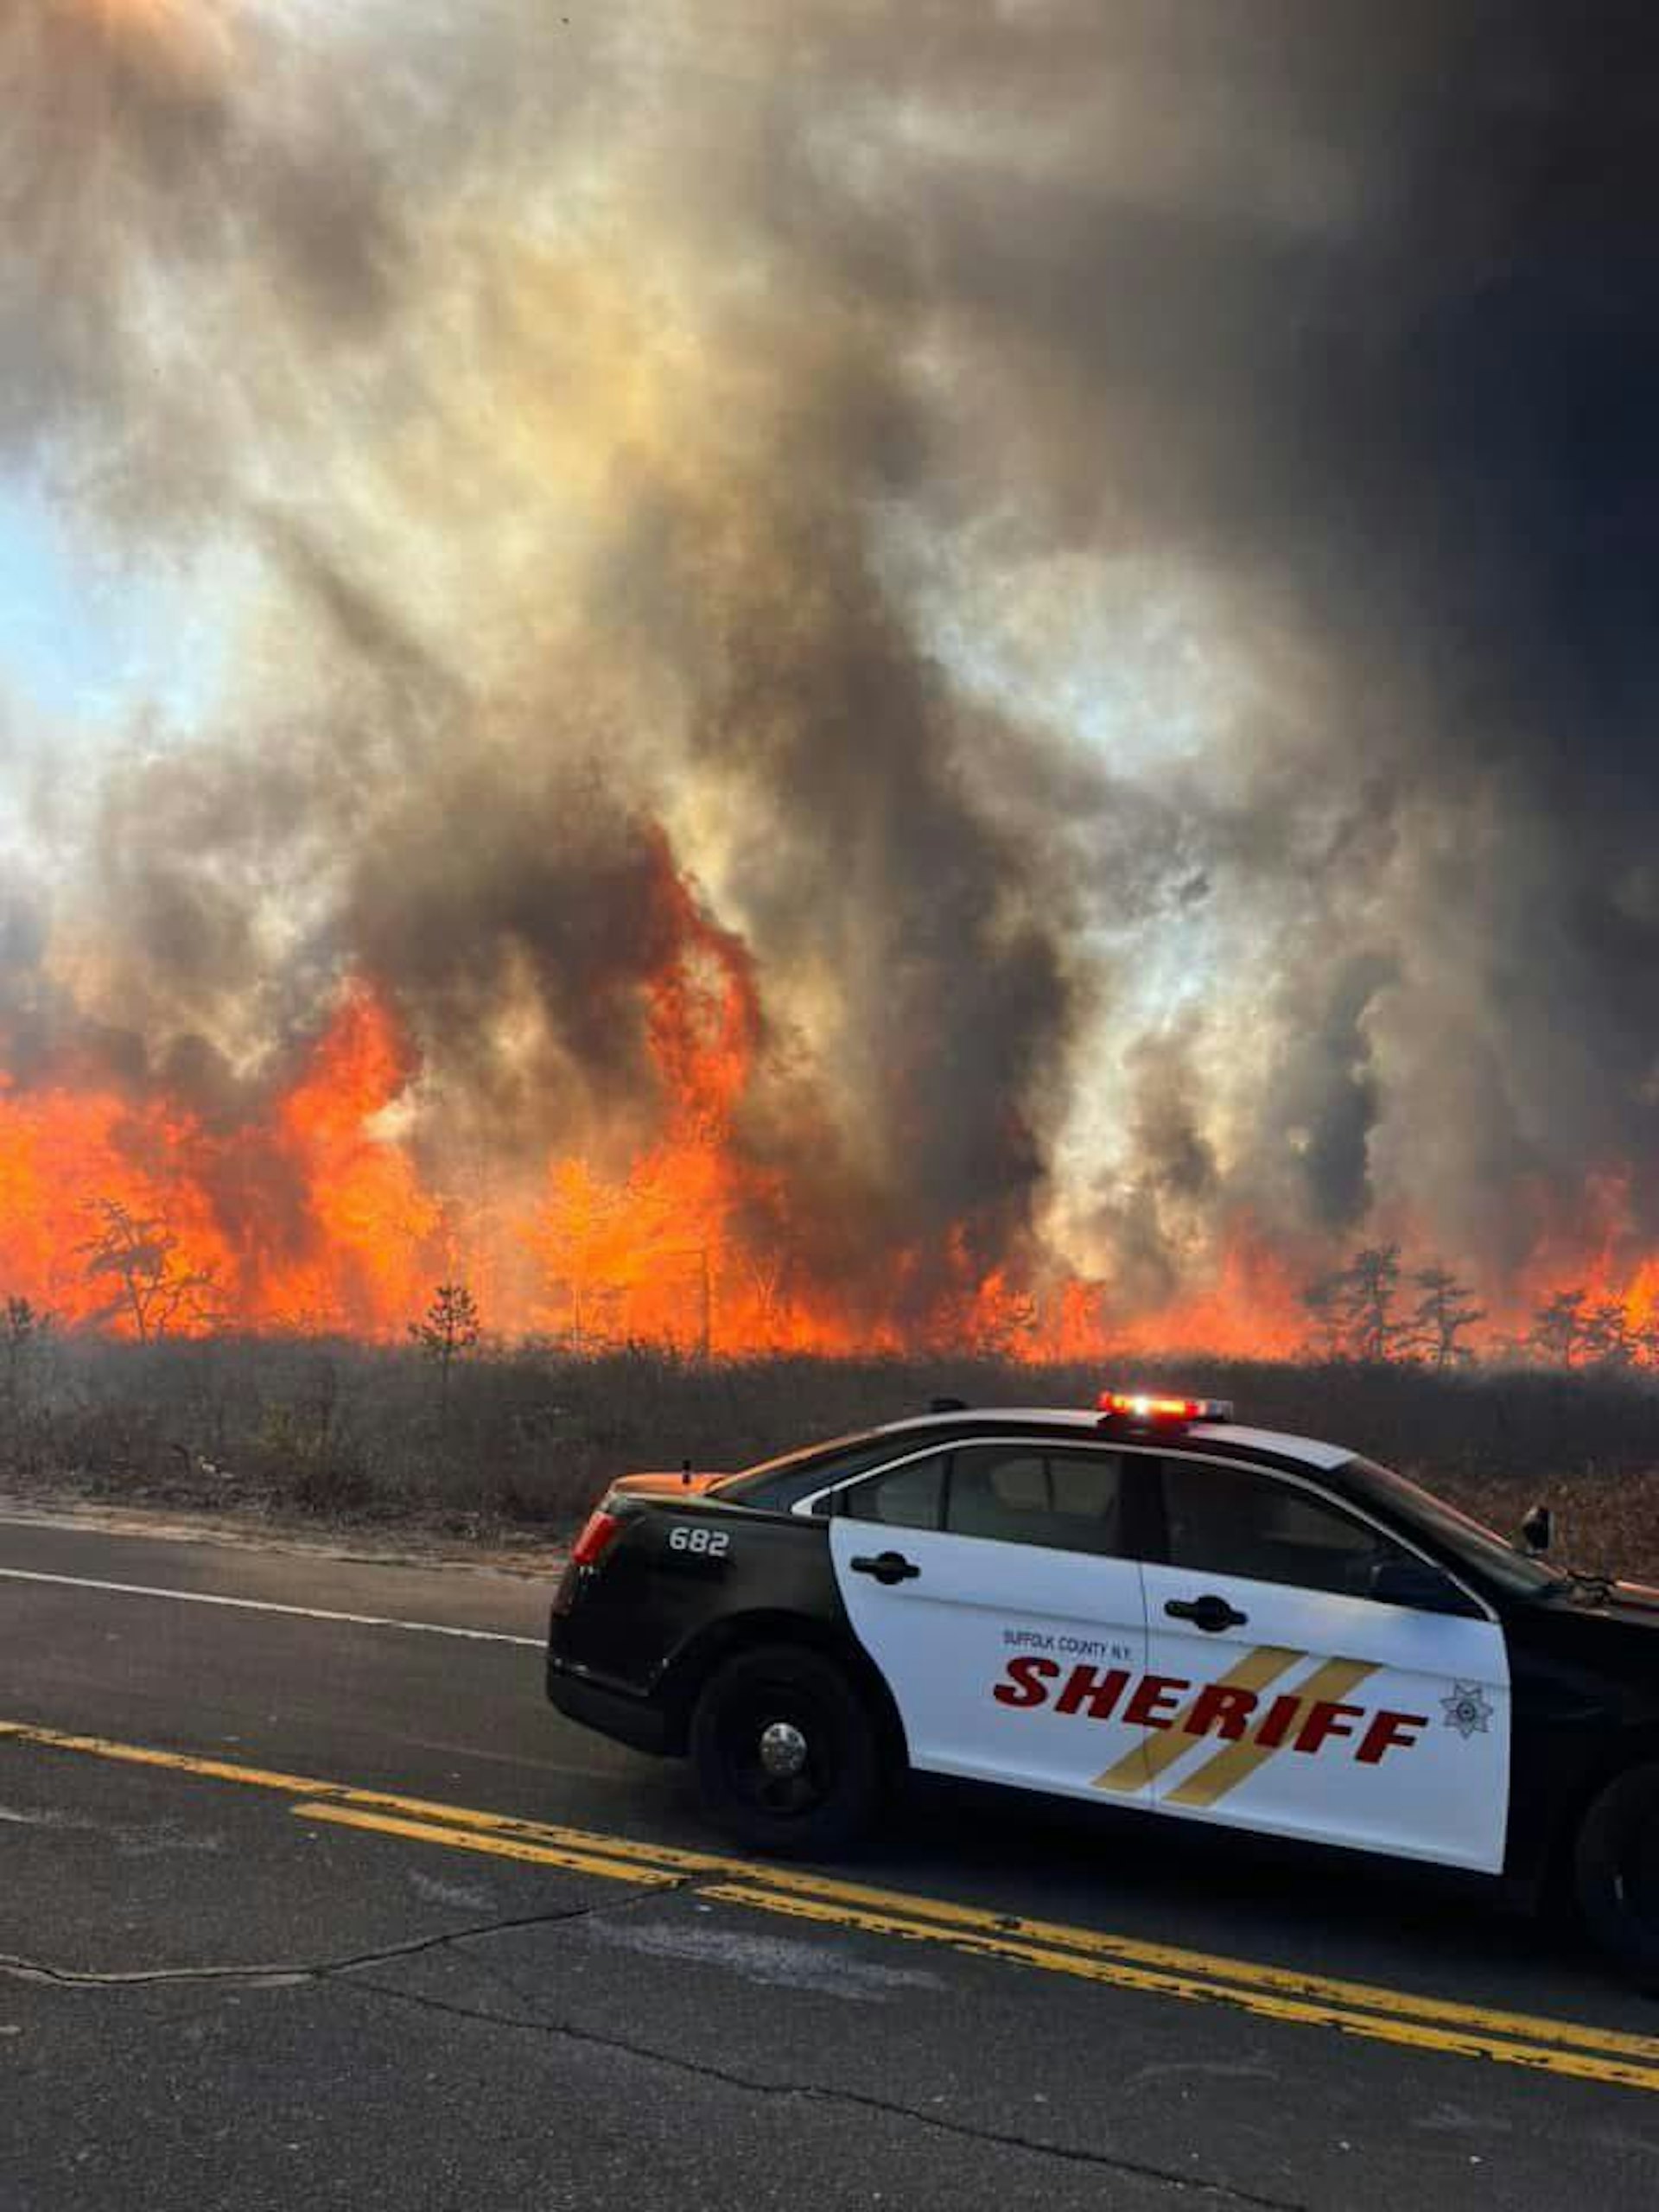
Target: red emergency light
<point>1147,1408</point>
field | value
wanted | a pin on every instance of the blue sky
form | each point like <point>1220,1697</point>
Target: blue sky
<point>85,640</point>
<point>63,643</point>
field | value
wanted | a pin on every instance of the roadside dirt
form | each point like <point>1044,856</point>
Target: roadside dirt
<point>257,1529</point>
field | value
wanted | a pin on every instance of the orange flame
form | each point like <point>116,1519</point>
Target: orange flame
<point>138,1215</point>
<point>135,1217</point>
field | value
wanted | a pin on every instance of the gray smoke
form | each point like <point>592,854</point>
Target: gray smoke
<point>1110,544</point>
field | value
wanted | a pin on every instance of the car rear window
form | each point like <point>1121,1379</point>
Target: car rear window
<point>909,1496</point>
<point>1028,1494</point>
<point>777,1484</point>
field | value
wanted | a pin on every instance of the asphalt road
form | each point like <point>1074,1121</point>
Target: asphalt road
<point>300,1905</point>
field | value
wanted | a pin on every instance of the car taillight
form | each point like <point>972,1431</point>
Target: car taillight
<point>599,1533</point>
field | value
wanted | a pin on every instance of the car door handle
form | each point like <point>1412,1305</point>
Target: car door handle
<point>888,1567</point>
<point>1210,1613</point>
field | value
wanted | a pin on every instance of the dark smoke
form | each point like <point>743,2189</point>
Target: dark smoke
<point>736,434</point>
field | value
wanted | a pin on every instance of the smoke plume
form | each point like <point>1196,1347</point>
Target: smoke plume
<point>1068,584</point>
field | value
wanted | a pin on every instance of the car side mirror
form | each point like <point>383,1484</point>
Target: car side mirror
<point>1414,1582</point>
<point>1538,1531</point>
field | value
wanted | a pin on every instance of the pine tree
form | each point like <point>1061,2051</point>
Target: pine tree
<point>1445,1310</point>
<point>1558,1329</point>
<point>1608,1337</point>
<point>448,1332</point>
<point>1374,1280</point>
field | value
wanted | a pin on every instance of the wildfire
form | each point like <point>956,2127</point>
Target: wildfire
<point>134,1214</point>
<point>138,1215</point>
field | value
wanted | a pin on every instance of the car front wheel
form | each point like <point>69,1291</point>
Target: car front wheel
<point>1615,1865</point>
<point>786,1752</point>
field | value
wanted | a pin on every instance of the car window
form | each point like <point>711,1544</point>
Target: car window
<point>1469,1541</point>
<point>907,1496</point>
<point>1069,1501</point>
<point>777,1484</point>
<point>1236,1521</point>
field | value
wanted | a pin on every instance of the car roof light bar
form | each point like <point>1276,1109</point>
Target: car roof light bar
<point>1149,1409</point>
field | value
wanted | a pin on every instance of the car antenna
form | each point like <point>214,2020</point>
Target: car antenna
<point>685,1472</point>
<point>947,1405</point>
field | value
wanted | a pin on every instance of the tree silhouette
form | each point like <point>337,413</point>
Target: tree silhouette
<point>1354,1311</point>
<point>768,1272</point>
<point>1374,1275</point>
<point>24,1329</point>
<point>152,1286</point>
<point>446,1332</point>
<point>1442,1313</point>
<point>1558,1328</point>
<point>1608,1340</point>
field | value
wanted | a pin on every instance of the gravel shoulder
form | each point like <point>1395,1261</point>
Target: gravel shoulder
<point>240,1527</point>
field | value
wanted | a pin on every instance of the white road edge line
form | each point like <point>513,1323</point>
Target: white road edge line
<point>268,1606</point>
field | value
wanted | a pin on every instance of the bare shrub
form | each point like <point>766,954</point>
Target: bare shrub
<point>534,1431</point>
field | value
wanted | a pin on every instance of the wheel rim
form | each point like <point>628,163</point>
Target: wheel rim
<point>776,1750</point>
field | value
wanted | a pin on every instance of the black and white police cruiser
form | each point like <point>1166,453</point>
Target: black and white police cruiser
<point>1147,1605</point>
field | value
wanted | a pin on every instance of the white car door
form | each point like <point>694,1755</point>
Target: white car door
<point>1308,1682</point>
<point>986,1581</point>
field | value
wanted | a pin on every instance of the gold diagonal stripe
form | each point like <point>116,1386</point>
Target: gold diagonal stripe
<point>1156,1751</point>
<point>1210,1782</point>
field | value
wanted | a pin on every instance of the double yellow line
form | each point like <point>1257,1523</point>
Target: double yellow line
<point>1382,2015</point>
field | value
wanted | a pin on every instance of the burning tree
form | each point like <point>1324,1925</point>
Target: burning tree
<point>1354,1313</point>
<point>640,1255</point>
<point>1374,1277</point>
<point>1353,1310</point>
<point>767,1274</point>
<point>1582,1328</point>
<point>1558,1328</point>
<point>1578,1328</point>
<point>154,1286</point>
<point>581,1239</point>
<point>1445,1310</point>
<point>1608,1339</point>
<point>1000,1320</point>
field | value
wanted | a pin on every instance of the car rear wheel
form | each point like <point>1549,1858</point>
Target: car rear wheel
<point>787,1754</point>
<point>1615,1865</point>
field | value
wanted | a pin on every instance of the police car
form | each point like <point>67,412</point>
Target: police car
<point>1144,1603</point>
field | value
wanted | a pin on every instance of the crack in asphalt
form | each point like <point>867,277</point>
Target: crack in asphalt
<point>349,1972</point>
<point>817,2093</point>
<point>290,1974</point>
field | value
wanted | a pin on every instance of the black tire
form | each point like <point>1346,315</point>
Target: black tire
<point>831,1800</point>
<point>1616,1869</point>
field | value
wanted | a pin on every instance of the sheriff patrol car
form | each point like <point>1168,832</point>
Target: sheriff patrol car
<point>1144,1603</point>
